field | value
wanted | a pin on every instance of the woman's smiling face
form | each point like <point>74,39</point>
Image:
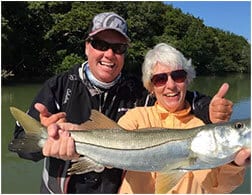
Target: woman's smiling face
<point>172,94</point>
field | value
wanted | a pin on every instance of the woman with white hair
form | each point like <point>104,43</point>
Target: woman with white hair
<point>167,74</point>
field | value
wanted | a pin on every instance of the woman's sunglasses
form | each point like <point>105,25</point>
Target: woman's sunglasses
<point>179,76</point>
<point>118,48</point>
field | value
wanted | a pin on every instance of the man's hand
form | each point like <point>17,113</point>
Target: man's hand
<point>46,118</point>
<point>59,143</point>
<point>243,157</point>
<point>220,108</point>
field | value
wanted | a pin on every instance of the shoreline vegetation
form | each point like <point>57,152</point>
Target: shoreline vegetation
<point>43,38</point>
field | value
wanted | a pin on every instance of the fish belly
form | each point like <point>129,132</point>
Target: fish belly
<point>148,159</point>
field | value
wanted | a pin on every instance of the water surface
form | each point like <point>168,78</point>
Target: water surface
<point>24,176</point>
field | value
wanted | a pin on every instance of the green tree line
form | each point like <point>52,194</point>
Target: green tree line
<point>40,39</point>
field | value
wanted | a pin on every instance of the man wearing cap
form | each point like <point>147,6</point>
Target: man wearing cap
<point>97,84</point>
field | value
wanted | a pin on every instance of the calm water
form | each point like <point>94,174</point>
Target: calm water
<point>23,176</point>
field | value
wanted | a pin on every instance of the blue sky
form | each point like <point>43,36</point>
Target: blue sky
<point>232,16</point>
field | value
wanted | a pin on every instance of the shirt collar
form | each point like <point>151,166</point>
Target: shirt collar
<point>163,113</point>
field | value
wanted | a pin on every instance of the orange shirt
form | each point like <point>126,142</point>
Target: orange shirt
<point>223,179</point>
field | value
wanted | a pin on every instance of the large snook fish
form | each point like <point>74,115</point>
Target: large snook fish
<point>103,143</point>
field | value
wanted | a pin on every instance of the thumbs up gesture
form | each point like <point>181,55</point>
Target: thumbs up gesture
<point>220,108</point>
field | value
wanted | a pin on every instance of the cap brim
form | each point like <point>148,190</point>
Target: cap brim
<point>103,29</point>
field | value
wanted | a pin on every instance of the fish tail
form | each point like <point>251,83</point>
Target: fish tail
<point>29,124</point>
<point>35,133</point>
<point>27,144</point>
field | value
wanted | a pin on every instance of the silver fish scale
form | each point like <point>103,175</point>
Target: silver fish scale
<point>139,139</point>
<point>149,159</point>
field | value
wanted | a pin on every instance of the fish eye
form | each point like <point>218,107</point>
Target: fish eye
<point>238,125</point>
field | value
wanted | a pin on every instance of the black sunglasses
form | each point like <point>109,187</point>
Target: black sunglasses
<point>118,48</point>
<point>179,76</point>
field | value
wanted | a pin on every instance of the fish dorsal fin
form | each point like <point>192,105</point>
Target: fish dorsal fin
<point>97,120</point>
<point>166,181</point>
<point>30,125</point>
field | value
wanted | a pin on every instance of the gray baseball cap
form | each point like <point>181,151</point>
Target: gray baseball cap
<point>108,21</point>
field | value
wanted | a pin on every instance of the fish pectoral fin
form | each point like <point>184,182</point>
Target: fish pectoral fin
<point>207,159</point>
<point>166,181</point>
<point>84,165</point>
<point>213,161</point>
<point>182,165</point>
<point>170,176</point>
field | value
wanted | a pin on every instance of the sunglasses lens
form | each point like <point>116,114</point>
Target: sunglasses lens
<point>159,79</point>
<point>117,48</point>
<point>179,76</point>
<point>99,45</point>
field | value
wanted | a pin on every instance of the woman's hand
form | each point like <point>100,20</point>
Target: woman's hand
<point>243,157</point>
<point>220,108</point>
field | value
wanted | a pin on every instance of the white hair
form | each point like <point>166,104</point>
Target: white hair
<point>166,55</point>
